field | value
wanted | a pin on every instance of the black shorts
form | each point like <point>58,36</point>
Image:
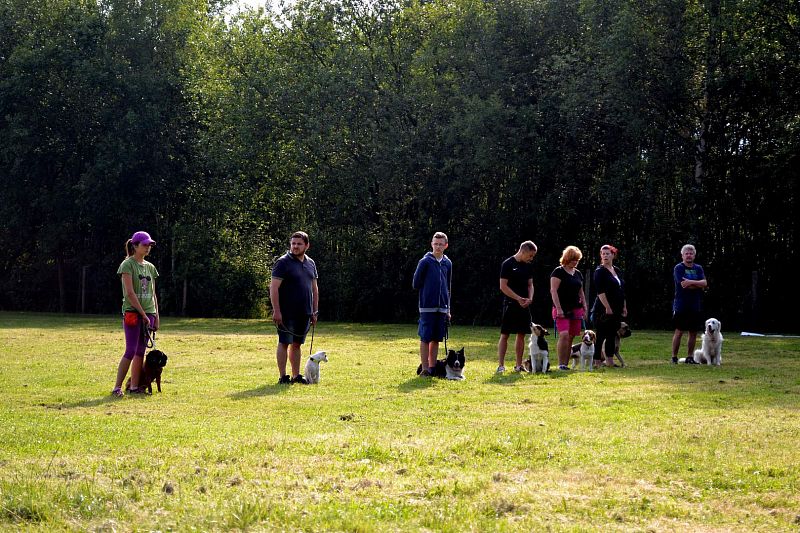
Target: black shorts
<point>688,321</point>
<point>515,319</point>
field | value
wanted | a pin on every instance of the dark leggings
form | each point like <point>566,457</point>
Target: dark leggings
<point>607,327</point>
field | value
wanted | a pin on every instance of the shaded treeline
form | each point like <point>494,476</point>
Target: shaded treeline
<point>646,124</point>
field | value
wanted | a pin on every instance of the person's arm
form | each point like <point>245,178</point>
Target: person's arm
<point>555,283</point>
<point>314,301</point>
<point>530,292</point>
<point>157,321</point>
<point>604,300</point>
<point>583,301</point>
<point>600,284</point>
<point>419,275</point>
<point>127,282</point>
<point>274,298</point>
<point>450,292</point>
<point>694,284</point>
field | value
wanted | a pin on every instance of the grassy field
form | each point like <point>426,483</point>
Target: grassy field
<point>652,447</point>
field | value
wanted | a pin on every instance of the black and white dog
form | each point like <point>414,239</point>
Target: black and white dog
<point>540,354</point>
<point>710,351</point>
<point>450,368</point>
<point>583,352</point>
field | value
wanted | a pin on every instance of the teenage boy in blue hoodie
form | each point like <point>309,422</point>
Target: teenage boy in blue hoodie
<point>433,279</point>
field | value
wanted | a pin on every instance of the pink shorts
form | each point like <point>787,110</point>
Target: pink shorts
<point>573,325</point>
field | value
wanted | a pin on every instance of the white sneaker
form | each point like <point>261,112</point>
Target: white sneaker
<point>501,369</point>
<point>520,369</point>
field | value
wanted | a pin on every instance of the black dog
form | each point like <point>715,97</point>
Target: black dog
<point>154,364</point>
<point>450,368</point>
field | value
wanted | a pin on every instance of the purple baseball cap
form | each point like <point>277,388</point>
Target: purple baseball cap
<point>142,237</point>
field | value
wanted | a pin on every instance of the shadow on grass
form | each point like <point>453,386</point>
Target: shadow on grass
<point>94,402</point>
<point>512,378</point>
<point>263,390</point>
<point>416,383</point>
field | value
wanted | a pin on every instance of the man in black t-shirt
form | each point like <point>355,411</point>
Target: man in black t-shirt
<point>516,284</point>
<point>294,295</point>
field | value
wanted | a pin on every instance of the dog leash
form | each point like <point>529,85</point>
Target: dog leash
<point>149,339</point>
<point>311,346</point>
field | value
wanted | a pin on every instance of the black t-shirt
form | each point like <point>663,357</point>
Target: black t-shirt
<point>518,274</point>
<point>569,289</point>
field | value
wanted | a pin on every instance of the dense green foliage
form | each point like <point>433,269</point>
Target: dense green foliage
<point>370,125</point>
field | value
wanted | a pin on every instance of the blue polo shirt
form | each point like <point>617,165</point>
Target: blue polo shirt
<point>295,294</point>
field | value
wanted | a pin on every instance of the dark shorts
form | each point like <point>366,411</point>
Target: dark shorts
<point>293,330</point>
<point>432,327</point>
<point>688,321</point>
<point>515,319</point>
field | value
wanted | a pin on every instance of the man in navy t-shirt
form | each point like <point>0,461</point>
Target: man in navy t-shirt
<point>690,281</point>
<point>294,296</point>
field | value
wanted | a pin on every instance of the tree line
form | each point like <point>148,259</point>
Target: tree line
<point>646,124</point>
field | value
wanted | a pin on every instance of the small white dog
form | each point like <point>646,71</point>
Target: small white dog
<point>584,351</point>
<point>710,351</point>
<point>540,356</point>
<point>312,367</point>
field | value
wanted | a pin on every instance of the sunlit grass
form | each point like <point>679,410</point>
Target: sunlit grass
<point>374,448</point>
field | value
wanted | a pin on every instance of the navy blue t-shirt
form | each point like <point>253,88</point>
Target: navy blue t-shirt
<point>687,299</point>
<point>295,294</point>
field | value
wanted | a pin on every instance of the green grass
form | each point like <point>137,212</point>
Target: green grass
<point>373,448</point>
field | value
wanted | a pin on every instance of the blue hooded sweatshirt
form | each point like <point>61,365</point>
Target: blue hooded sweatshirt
<point>433,280</point>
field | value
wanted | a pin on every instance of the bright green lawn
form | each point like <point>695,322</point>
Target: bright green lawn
<point>374,448</point>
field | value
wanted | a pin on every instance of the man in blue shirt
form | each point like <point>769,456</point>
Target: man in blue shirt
<point>690,281</point>
<point>294,296</point>
<point>433,278</point>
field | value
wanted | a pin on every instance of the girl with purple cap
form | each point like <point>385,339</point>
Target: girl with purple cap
<point>139,305</point>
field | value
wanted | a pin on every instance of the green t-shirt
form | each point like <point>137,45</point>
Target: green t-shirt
<point>143,276</point>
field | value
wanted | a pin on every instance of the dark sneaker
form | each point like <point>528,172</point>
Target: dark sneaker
<point>285,380</point>
<point>690,361</point>
<point>299,379</point>
<point>674,360</point>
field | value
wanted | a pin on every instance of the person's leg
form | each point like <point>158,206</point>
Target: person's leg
<point>131,343</point>
<point>136,371</point>
<point>676,343</point>
<point>519,347</point>
<point>563,347</point>
<point>294,358</point>
<point>691,342</point>
<point>282,356</point>
<point>502,348</point>
<point>433,353</point>
<point>122,371</point>
<point>138,356</point>
<point>423,354</point>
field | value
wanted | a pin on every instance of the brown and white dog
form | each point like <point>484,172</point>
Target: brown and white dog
<point>583,352</point>
<point>540,356</point>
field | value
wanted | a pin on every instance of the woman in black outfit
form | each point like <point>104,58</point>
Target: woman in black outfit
<point>610,307</point>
